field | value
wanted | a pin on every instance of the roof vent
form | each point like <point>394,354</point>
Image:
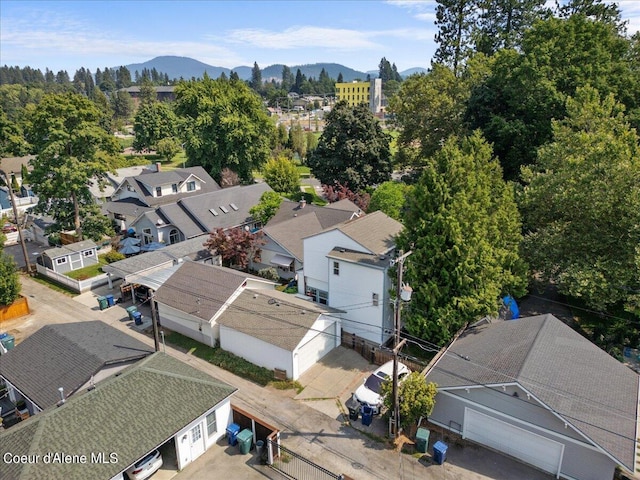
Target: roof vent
<point>224,209</point>
<point>302,312</point>
<point>215,214</point>
<point>255,295</point>
<point>382,257</point>
<point>271,301</point>
<point>341,250</point>
<point>233,205</point>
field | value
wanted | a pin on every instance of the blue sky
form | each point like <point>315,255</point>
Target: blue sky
<point>97,34</point>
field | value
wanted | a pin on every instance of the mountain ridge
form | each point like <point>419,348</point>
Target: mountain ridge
<point>177,67</point>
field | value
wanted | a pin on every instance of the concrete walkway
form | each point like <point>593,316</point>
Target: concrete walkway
<point>325,437</point>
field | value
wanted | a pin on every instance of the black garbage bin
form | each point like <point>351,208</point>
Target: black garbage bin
<point>354,408</point>
<point>367,415</point>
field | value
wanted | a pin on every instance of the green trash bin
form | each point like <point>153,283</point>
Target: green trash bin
<point>422,440</point>
<point>7,340</point>
<point>103,303</point>
<point>130,312</point>
<point>245,438</point>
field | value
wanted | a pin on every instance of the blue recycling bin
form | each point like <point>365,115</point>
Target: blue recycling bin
<point>110,301</point>
<point>137,317</point>
<point>232,433</point>
<point>367,415</point>
<point>439,452</point>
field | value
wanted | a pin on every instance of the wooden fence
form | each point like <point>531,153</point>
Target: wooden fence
<point>17,309</point>
<point>378,354</point>
<point>79,286</point>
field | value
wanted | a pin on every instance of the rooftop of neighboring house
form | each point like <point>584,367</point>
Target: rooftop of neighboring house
<point>202,290</point>
<point>277,318</point>
<point>375,231</point>
<point>578,381</point>
<point>66,356</point>
<point>69,249</point>
<point>294,221</point>
<point>128,414</point>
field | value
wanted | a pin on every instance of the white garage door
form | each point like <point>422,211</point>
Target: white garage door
<point>529,447</point>
<point>316,348</point>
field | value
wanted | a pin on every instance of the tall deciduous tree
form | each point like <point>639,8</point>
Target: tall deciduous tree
<point>153,122</point>
<point>463,226</point>
<point>282,175</point>
<point>352,150</point>
<point>581,205</point>
<point>227,126</point>
<point>71,149</point>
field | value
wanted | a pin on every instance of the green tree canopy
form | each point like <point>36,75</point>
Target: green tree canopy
<point>71,150</point>
<point>352,150</point>
<point>390,197</point>
<point>9,279</point>
<point>153,122</point>
<point>282,175</point>
<point>267,207</point>
<point>581,204</point>
<point>463,226</point>
<point>417,398</point>
<point>227,126</point>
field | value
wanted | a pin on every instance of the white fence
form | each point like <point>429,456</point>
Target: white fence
<point>79,286</point>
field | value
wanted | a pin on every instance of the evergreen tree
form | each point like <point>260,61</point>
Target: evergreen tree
<point>463,227</point>
<point>287,78</point>
<point>456,21</point>
<point>340,78</point>
<point>256,78</point>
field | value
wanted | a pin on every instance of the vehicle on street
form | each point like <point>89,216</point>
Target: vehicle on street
<point>146,467</point>
<point>369,392</point>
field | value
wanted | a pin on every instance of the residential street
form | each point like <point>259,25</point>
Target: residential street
<point>313,427</point>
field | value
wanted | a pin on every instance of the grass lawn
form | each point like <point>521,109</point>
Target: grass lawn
<point>89,271</point>
<point>54,286</point>
<point>230,362</point>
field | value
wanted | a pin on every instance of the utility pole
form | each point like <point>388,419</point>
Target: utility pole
<point>154,320</point>
<point>397,343</point>
<point>27,264</point>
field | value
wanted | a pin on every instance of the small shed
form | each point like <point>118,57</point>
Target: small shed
<point>70,257</point>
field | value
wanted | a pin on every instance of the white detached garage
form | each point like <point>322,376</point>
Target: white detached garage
<point>276,330</point>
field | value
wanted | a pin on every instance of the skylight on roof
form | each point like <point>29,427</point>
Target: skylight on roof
<point>215,214</point>
<point>233,205</point>
<point>224,209</point>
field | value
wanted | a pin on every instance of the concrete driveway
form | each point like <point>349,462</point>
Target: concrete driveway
<point>313,424</point>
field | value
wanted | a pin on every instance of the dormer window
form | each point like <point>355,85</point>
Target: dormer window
<point>191,186</point>
<point>174,188</point>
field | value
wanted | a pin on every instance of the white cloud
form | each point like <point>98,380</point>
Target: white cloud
<point>302,37</point>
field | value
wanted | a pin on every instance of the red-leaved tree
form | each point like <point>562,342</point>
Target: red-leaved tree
<point>236,246</point>
<point>338,191</point>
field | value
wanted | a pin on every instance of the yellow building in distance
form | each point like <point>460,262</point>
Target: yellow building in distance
<point>355,93</point>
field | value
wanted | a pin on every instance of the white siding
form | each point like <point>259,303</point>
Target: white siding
<point>352,291</point>
<point>256,351</point>
<point>323,337</point>
<point>192,327</point>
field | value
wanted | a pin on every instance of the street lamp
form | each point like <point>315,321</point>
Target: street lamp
<point>403,293</point>
<point>27,264</point>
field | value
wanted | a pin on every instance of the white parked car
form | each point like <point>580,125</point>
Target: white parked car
<point>369,392</point>
<point>145,467</point>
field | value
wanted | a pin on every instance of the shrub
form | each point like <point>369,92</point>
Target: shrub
<point>269,273</point>
<point>113,256</point>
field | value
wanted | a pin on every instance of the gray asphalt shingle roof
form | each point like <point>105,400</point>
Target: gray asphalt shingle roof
<point>64,250</point>
<point>200,289</point>
<point>274,317</point>
<point>577,380</point>
<point>66,355</point>
<point>128,414</point>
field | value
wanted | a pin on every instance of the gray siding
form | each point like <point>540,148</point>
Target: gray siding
<point>581,462</point>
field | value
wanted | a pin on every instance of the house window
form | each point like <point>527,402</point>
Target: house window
<point>174,188</point>
<point>147,237</point>
<point>61,260</point>
<point>212,424</point>
<point>191,186</point>
<point>318,296</point>
<point>88,253</point>
<point>158,191</point>
<point>196,433</point>
<point>374,299</point>
<point>336,268</point>
<point>174,236</point>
